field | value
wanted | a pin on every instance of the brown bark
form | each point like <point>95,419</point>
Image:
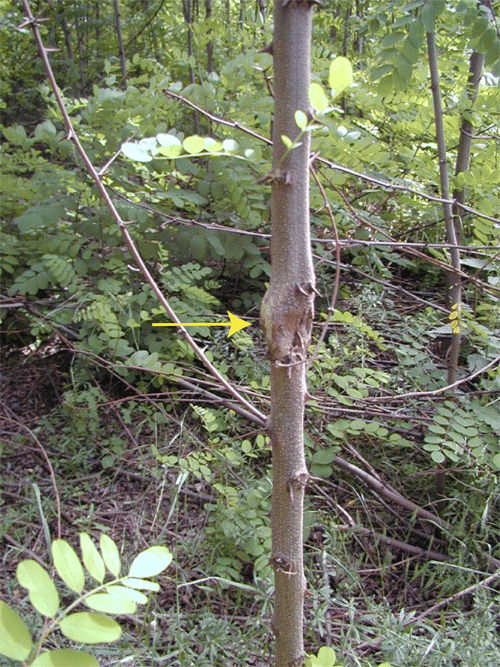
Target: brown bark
<point>286,319</point>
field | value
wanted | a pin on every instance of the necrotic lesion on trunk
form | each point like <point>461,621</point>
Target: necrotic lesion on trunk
<point>286,320</point>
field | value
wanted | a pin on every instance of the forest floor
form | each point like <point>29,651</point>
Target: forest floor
<point>62,473</point>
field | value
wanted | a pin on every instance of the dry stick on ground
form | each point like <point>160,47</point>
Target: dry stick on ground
<point>456,596</point>
<point>71,134</point>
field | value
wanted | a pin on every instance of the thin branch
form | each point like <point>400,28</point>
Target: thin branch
<point>435,392</point>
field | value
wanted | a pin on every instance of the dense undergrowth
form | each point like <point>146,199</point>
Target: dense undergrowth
<point>146,447</point>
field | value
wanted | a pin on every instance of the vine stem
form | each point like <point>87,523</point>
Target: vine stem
<point>123,225</point>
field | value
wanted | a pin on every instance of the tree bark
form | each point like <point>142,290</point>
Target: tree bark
<point>286,319</point>
<point>210,43</point>
<point>121,48</point>
<point>465,141</point>
<point>453,284</point>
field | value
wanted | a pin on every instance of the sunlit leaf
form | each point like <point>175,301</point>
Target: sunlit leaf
<point>92,559</point>
<point>142,584</point>
<point>300,119</point>
<point>42,591</point>
<point>287,141</point>
<point>230,145</point>
<point>326,656</point>
<point>110,604</point>
<point>340,76</point>
<point>194,144</point>
<point>15,638</point>
<point>317,97</point>
<point>150,562</point>
<point>128,593</point>
<point>212,145</point>
<point>110,554</point>
<point>90,628</point>
<point>68,565</point>
<point>169,145</point>
<point>135,152</point>
<point>65,658</point>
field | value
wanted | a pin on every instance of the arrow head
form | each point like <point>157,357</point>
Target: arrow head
<point>237,324</point>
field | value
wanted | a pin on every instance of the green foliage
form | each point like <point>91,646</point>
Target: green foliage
<point>120,595</point>
<point>465,432</point>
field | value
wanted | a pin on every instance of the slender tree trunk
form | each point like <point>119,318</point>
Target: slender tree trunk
<point>121,48</point>
<point>453,285</point>
<point>345,42</point>
<point>187,10</point>
<point>465,141</point>
<point>69,46</point>
<point>210,44</point>
<point>286,319</point>
<point>79,42</point>
<point>453,294</point>
<point>261,7</point>
<point>241,15</point>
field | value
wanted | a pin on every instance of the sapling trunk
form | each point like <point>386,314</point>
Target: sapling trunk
<point>286,319</point>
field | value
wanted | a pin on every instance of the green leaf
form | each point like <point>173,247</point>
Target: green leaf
<point>194,144</point>
<point>317,97</point>
<point>68,565</point>
<point>170,146</point>
<point>416,33</point>
<point>300,119</point>
<point>230,145</point>
<point>92,558</point>
<point>110,554</point>
<point>42,591</point>
<point>287,141</point>
<point>326,656</point>
<point>428,16</point>
<point>128,593</point>
<point>15,638</point>
<point>142,584</point>
<point>90,628</point>
<point>15,135</point>
<point>324,456</point>
<point>45,130</point>
<point>492,53</point>
<point>212,146</point>
<point>150,562</point>
<point>110,604</point>
<point>135,152</point>
<point>437,456</point>
<point>340,76</point>
<point>65,658</point>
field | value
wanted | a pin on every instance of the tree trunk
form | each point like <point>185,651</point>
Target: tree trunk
<point>466,134</point>
<point>121,48</point>
<point>210,43</point>
<point>453,295</point>
<point>286,319</point>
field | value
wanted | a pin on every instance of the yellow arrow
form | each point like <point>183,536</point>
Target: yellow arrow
<point>236,324</point>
